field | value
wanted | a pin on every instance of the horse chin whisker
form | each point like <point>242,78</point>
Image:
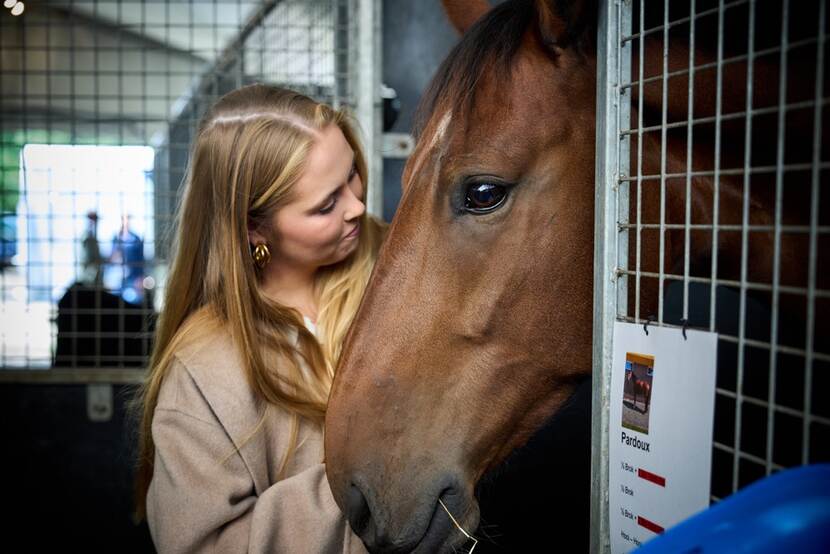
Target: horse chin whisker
<point>458,525</point>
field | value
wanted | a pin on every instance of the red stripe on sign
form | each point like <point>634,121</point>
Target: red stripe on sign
<point>650,525</point>
<point>653,477</point>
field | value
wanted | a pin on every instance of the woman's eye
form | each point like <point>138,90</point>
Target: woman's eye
<point>483,198</point>
<point>353,172</point>
<point>328,208</point>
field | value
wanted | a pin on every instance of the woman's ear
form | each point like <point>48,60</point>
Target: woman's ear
<point>563,23</point>
<point>254,234</point>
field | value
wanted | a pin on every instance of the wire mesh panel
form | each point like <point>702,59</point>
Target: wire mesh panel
<point>99,103</point>
<point>711,213</point>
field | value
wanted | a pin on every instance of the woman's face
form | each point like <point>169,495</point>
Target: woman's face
<point>320,225</point>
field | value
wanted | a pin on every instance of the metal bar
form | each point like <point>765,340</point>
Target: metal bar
<point>97,123</point>
<point>750,285</point>
<point>638,238</point>
<point>241,67</point>
<point>745,455</point>
<point>107,335</point>
<point>622,188</point>
<point>115,376</point>
<point>821,229</point>
<point>776,255</point>
<point>772,406</point>
<point>813,256</point>
<point>605,261</point>
<point>73,109</point>
<point>342,39</point>
<point>781,348</point>
<point>687,238</point>
<point>744,243</point>
<point>803,105</point>
<point>663,146</point>
<point>758,170</point>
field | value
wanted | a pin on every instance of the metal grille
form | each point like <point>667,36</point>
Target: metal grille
<point>710,214</point>
<point>100,102</point>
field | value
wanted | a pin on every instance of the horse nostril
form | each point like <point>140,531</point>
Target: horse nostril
<point>358,510</point>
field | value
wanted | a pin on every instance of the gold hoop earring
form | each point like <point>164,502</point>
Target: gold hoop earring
<point>261,255</point>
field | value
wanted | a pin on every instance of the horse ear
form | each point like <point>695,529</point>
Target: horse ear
<point>564,23</point>
<point>464,13</point>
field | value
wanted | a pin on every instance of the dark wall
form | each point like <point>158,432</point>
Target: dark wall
<point>416,37</point>
<point>67,481</point>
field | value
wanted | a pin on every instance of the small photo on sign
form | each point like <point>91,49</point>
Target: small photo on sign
<point>636,400</point>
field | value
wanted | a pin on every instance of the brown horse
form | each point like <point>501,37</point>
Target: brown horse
<point>639,387</point>
<point>477,322</point>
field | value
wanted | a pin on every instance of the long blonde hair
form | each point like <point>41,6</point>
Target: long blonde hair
<point>249,151</point>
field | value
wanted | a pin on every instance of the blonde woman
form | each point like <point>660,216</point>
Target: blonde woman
<point>273,253</point>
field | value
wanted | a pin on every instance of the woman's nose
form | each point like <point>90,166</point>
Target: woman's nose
<point>356,206</point>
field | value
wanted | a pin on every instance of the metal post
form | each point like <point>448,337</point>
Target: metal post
<point>739,399</point>
<point>367,97</point>
<point>605,262</point>
<point>622,184</point>
<point>812,260</point>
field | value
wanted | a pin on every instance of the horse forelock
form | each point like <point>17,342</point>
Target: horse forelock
<point>492,42</point>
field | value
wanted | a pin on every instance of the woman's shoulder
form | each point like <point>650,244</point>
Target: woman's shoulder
<point>207,347</point>
<point>206,380</point>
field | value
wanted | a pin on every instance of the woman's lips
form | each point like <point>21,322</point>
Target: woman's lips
<point>354,232</point>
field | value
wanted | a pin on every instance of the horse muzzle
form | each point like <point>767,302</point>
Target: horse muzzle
<point>419,524</point>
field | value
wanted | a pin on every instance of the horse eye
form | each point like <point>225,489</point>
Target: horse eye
<point>483,198</point>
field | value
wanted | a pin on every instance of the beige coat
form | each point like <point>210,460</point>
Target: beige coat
<point>214,486</point>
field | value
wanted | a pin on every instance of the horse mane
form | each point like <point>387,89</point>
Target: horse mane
<point>493,40</point>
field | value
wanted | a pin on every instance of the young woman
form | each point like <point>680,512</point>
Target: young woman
<point>274,250</point>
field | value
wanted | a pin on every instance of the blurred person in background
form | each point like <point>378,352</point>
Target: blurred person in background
<point>91,260</point>
<point>128,253</point>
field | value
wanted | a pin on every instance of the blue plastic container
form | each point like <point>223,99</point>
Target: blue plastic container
<point>787,512</point>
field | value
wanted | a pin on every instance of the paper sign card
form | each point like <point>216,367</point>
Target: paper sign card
<point>662,405</point>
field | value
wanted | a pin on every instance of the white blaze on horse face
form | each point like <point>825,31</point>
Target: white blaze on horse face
<point>439,133</point>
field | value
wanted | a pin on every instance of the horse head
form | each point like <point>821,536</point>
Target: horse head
<point>477,322</point>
